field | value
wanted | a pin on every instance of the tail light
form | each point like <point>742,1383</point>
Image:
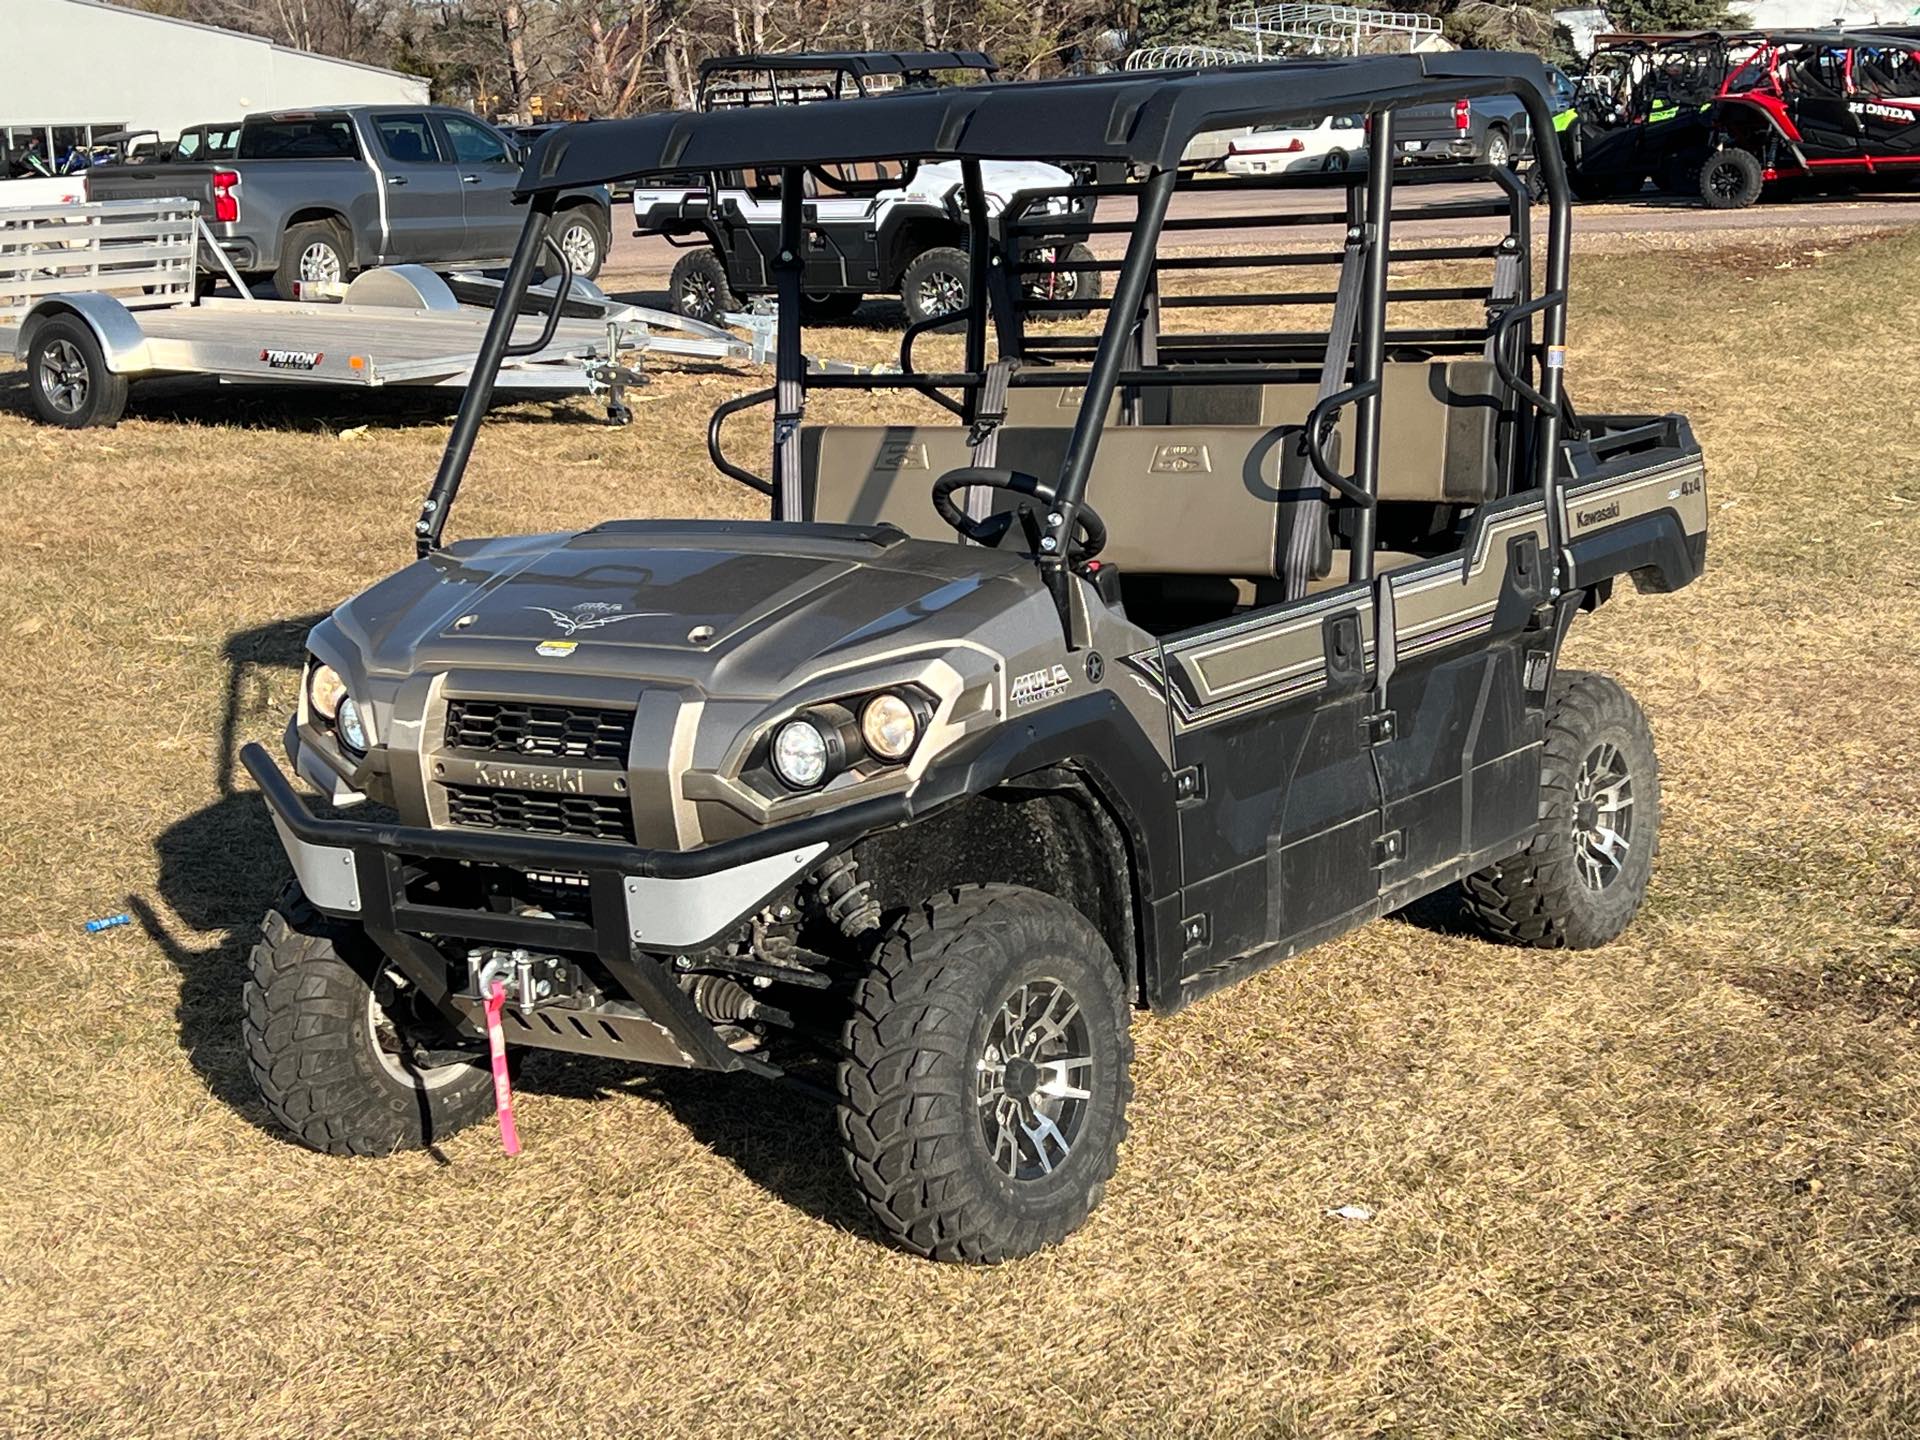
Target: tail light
<point>1293,147</point>
<point>1462,114</point>
<point>226,204</point>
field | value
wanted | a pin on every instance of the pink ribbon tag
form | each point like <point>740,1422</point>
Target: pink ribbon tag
<point>502,1087</point>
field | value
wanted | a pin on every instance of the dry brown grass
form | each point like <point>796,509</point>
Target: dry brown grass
<point>1668,1186</point>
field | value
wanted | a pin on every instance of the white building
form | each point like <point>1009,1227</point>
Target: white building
<point>75,69</point>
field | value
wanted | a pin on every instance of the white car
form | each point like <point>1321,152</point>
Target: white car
<point>1338,142</point>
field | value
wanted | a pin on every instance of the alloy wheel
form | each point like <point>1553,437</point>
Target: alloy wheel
<point>1602,816</point>
<point>942,293</point>
<point>63,377</point>
<point>398,1029</point>
<point>1033,1080</point>
<point>579,244</point>
<point>697,297</point>
<point>319,262</point>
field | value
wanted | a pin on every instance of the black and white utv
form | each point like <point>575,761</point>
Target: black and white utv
<point>1129,659</point>
<point>893,227</point>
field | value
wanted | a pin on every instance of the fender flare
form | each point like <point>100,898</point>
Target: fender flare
<point>122,341</point>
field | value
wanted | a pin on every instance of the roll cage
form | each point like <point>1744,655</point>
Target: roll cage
<point>1146,120</point>
<point>795,77</point>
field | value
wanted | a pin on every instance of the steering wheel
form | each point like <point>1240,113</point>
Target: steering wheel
<point>1090,531</point>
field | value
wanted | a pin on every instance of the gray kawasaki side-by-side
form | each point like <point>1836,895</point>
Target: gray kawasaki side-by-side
<point>1171,653</point>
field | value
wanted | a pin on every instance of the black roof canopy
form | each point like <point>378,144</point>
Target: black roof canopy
<point>1146,117</point>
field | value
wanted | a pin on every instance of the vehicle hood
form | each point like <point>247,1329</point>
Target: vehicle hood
<point>729,607</point>
<point>932,183</point>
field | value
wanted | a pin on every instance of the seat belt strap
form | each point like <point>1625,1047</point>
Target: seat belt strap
<point>1303,510</point>
<point>1505,292</point>
<point>983,435</point>
<point>789,409</point>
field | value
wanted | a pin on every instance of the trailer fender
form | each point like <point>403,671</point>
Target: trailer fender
<point>121,340</point>
<point>403,287</point>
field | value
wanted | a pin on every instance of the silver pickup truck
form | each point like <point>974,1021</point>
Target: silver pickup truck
<point>317,195</point>
<point>1489,130</point>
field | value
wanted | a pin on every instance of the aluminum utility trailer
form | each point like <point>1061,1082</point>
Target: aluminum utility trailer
<point>94,296</point>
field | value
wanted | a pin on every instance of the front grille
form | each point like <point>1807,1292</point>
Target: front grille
<point>540,812</point>
<point>559,732</point>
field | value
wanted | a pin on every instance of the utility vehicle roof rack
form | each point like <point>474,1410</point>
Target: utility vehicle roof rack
<point>1145,118</point>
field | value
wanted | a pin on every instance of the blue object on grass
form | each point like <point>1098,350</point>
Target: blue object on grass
<point>108,922</point>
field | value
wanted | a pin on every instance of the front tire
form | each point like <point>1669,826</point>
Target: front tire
<point>935,283</point>
<point>700,288</point>
<point>68,377</point>
<point>329,1029</point>
<point>983,1095</point>
<point>1731,179</point>
<point>1583,877</point>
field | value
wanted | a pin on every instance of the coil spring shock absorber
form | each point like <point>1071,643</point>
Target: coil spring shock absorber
<point>846,899</point>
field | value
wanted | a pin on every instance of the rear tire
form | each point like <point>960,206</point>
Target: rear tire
<point>1583,877</point>
<point>700,287</point>
<point>326,1029</point>
<point>984,1091</point>
<point>1730,179</point>
<point>314,251</point>
<point>68,377</point>
<point>1499,149</point>
<point>1068,285</point>
<point>935,283</point>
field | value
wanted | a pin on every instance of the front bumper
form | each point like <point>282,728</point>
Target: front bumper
<point>643,905</point>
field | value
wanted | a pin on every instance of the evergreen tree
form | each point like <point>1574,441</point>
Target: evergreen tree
<point>1664,15</point>
<point>1172,22</point>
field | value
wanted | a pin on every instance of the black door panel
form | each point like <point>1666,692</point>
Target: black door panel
<point>1270,717</point>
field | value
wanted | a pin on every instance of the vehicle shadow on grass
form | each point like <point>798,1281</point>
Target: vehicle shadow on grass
<point>221,868</point>
<point>780,1136</point>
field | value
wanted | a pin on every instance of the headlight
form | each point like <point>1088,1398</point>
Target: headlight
<point>889,726</point>
<point>325,691</point>
<point>351,728</point>
<point>800,754</point>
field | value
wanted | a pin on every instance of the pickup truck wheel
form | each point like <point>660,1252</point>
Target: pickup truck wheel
<point>68,377</point>
<point>985,1083</point>
<point>1730,179</point>
<point>579,237</point>
<point>1499,149</point>
<point>935,283</point>
<point>313,252</point>
<point>700,287</point>
<point>331,1030</point>
<point>1583,876</point>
